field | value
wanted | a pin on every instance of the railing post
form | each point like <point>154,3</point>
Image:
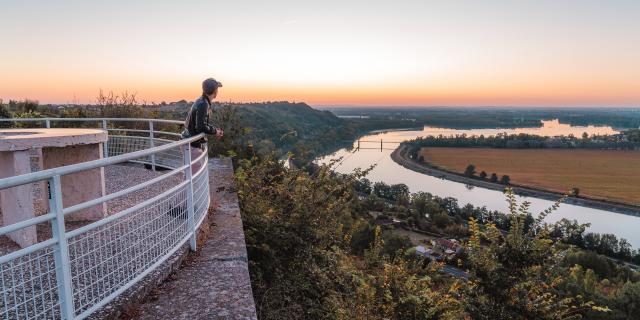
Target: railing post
<point>151,145</point>
<point>47,123</point>
<point>186,155</point>
<point>105,146</point>
<point>61,252</point>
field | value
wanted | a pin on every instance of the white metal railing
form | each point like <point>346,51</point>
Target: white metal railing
<point>74,273</point>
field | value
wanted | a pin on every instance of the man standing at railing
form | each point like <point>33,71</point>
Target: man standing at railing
<point>197,120</point>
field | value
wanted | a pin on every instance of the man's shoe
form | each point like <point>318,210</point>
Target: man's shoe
<point>179,212</point>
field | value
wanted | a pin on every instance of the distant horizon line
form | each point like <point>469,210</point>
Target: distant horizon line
<point>467,106</point>
<point>355,106</point>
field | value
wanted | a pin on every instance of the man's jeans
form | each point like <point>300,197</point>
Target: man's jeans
<point>195,153</point>
<point>180,210</point>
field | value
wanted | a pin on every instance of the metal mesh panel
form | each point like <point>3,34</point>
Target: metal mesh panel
<point>201,194</point>
<point>171,158</point>
<point>106,258</point>
<point>29,287</point>
<point>118,145</point>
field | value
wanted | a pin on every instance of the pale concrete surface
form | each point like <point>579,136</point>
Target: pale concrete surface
<point>17,202</point>
<point>80,186</point>
<point>59,147</point>
<point>24,139</point>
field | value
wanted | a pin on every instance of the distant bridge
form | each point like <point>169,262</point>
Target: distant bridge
<point>376,145</point>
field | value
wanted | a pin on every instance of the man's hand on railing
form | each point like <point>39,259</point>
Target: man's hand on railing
<point>219,133</point>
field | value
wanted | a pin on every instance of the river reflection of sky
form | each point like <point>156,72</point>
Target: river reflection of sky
<point>549,128</point>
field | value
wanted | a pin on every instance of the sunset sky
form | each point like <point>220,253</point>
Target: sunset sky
<point>400,53</point>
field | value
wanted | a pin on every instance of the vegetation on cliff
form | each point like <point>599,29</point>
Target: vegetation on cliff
<point>304,228</point>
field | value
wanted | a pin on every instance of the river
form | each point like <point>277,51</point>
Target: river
<point>623,226</point>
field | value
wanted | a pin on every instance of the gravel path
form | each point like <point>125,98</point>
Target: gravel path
<point>117,177</point>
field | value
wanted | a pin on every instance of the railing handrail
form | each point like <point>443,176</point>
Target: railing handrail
<point>92,119</point>
<point>48,173</point>
<point>71,250</point>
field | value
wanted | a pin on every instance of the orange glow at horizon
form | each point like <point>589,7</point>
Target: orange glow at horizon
<point>445,94</point>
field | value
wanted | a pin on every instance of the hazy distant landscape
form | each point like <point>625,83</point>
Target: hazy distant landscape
<point>493,117</point>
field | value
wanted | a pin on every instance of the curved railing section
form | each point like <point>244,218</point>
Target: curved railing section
<point>74,273</point>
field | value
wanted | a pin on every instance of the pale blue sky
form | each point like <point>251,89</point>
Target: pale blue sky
<point>576,53</point>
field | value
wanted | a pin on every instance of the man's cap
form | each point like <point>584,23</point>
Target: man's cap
<point>210,84</point>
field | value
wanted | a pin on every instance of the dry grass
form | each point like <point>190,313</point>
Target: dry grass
<point>603,174</point>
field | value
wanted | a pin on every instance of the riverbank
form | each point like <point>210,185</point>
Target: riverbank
<point>401,157</point>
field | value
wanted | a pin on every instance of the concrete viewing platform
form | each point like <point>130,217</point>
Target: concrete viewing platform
<point>54,148</point>
<point>142,234</point>
<point>25,139</point>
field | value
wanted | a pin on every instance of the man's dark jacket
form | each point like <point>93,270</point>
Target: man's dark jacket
<point>197,120</point>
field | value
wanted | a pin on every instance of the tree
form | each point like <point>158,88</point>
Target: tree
<point>505,179</point>
<point>517,274</point>
<point>26,106</point>
<point>441,220</point>
<point>483,175</point>
<point>362,235</point>
<point>591,241</point>
<point>624,249</point>
<point>382,190</point>
<point>400,288</point>
<point>470,171</point>
<point>399,191</point>
<point>296,225</point>
<point>4,112</point>
<point>575,192</point>
<point>633,135</point>
<point>608,244</point>
<point>626,301</point>
<point>363,185</point>
<point>590,281</point>
<point>577,274</point>
<point>264,147</point>
<point>569,231</point>
<point>601,265</point>
<point>394,243</point>
<point>124,105</point>
<point>419,202</point>
<point>585,136</point>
